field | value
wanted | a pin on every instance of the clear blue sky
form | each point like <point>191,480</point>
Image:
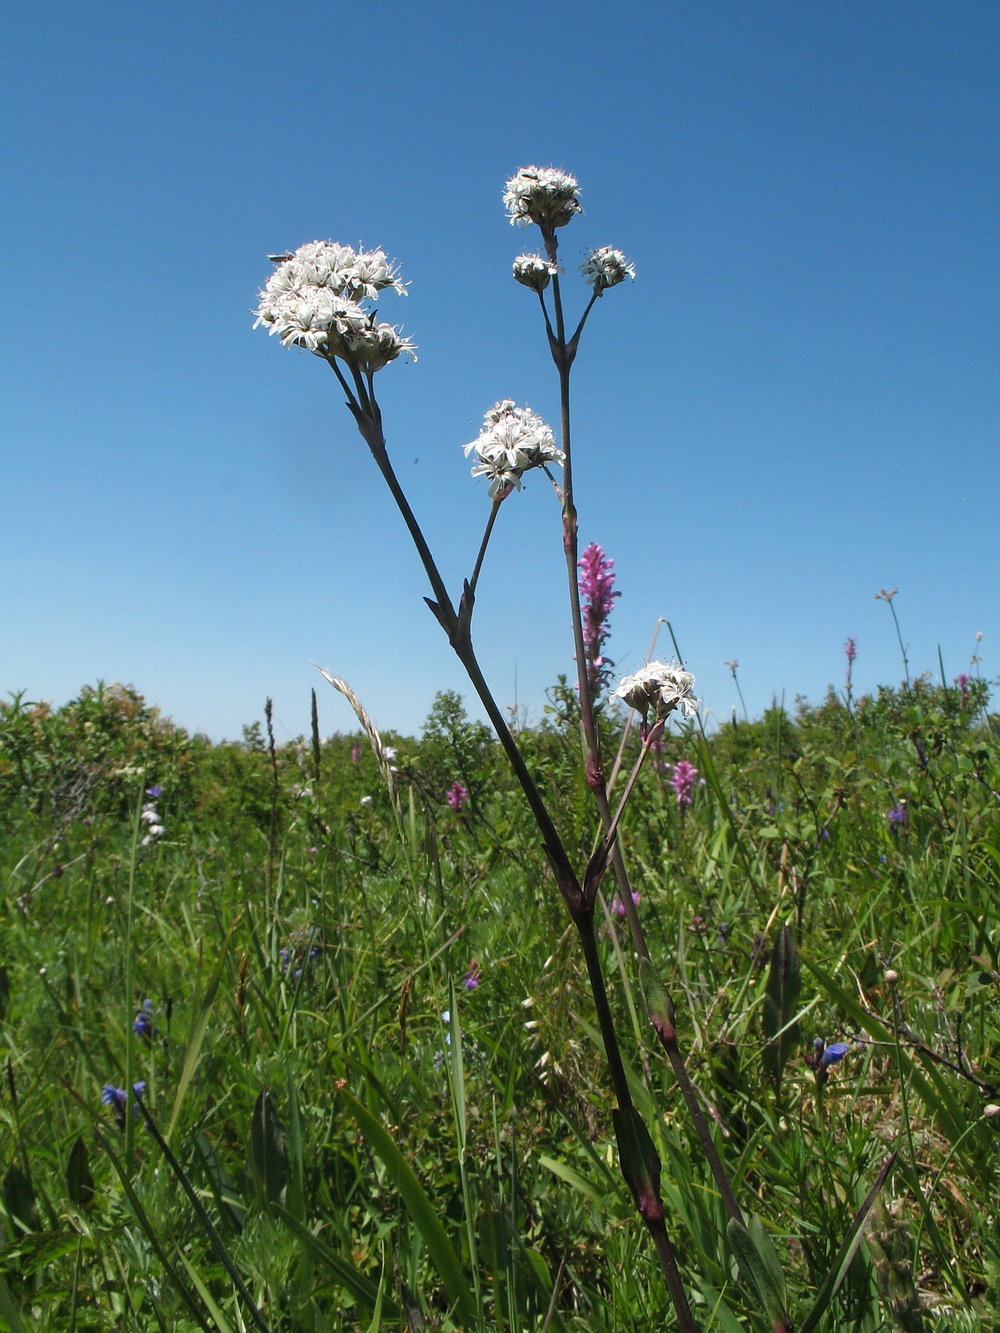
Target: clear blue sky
<point>794,405</point>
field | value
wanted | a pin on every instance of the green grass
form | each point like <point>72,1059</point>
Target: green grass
<point>329,1152</point>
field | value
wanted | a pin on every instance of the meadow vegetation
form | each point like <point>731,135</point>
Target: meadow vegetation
<point>371,1088</point>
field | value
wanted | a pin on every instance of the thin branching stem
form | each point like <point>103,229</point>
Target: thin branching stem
<point>494,510</point>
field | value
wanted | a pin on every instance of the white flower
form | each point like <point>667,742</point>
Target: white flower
<point>543,195</point>
<point>534,271</point>
<point>377,345</point>
<point>311,317</point>
<point>149,815</point>
<point>605,268</point>
<point>312,298</point>
<point>513,441</point>
<point>662,686</point>
<point>372,273</point>
<point>341,268</point>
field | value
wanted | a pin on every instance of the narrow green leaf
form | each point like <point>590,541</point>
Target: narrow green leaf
<point>769,1256</point>
<point>152,1235</point>
<point>781,995</point>
<point>376,1322</point>
<point>295,1194</point>
<point>10,1309</point>
<point>268,1158</point>
<point>598,1198</point>
<point>199,1025</point>
<point>222,1323</point>
<point>19,1199</point>
<point>424,1215</point>
<point>79,1180</point>
<point>757,1272</point>
<point>362,1288</point>
<point>849,1248</point>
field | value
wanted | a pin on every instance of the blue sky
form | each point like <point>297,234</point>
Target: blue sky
<point>794,405</point>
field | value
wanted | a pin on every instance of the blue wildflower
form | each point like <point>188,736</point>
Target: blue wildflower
<point>142,1024</point>
<point>833,1054</point>
<point>116,1098</point>
<point>154,791</point>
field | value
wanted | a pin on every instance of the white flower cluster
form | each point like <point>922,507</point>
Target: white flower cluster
<point>150,816</point>
<point>605,268</point>
<point>513,440</point>
<point>542,195</point>
<point>534,271</point>
<point>661,686</point>
<point>312,300</point>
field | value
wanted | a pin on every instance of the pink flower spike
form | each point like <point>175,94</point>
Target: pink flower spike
<point>682,780</point>
<point>597,591</point>
<point>457,796</point>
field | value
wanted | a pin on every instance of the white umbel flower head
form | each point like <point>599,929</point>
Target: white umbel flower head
<point>662,686</point>
<point>534,271</point>
<point>312,300</point>
<point>543,195</point>
<point>513,441</point>
<point>606,268</point>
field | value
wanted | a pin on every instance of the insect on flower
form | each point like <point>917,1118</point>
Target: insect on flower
<point>281,259</point>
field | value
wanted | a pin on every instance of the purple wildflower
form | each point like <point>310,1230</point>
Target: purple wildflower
<point>457,796</point>
<point>899,818</point>
<point>471,980</point>
<point>154,791</point>
<point>851,651</point>
<point>355,753</point>
<point>682,780</point>
<point>618,907</point>
<point>596,588</point>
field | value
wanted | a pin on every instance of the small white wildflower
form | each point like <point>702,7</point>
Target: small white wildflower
<point>149,815</point>
<point>661,686</point>
<point>373,273</point>
<point>543,195</point>
<point>606,268</point>
<point>311,317</point>
<point>513,441</point>
<point>534,271</point>
<point>377,345</point>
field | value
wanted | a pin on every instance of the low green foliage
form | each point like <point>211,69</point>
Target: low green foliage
<point>372,1060</point>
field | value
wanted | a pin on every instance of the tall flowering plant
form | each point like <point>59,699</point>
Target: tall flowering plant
<point>319,298</point>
